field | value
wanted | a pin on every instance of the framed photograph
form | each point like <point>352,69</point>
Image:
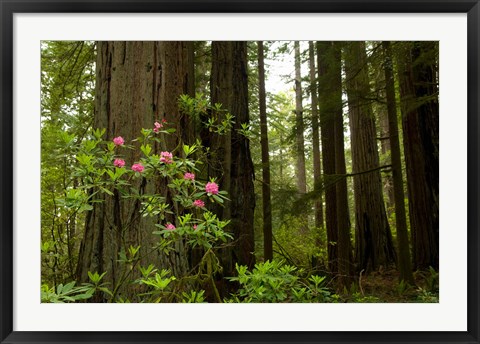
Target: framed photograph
<point>239,171</point>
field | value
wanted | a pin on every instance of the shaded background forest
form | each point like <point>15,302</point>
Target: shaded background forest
<point>331,171</point>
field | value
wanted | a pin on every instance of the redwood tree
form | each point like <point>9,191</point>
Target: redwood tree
<point>345,264</point>
<point>299,127</point>
<point>266,193</point>
<point>137,83</point>
<point>242,174</point>
<point>327,127</point>
<point>404,263</point>
<point>229,86</point>
<point>373,239</point>
<point>317,168</point>
<point>418,69</point>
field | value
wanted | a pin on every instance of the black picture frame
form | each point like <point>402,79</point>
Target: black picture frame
<point>10,7</point>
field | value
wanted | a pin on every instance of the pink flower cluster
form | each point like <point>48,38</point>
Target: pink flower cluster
<point>199,203</point>
<point>138,167</point>
<point>170,227</point>
<point>211,188</point>
<point>157,126</point>
<point>189,176</point>
<point>118,141</point>
<point>166,157</point>
<point>119,163</point>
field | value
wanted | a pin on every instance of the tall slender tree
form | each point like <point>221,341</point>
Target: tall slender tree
<point>266,192</point>
<point>300,142</point>
<point>317,168</point>
<point>404,263</point>
<point>327,127</point>
<point>373,244</point>
<point>345,266</point>
<point>380,109</point>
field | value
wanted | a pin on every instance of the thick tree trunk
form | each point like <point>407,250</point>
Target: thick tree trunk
<point>242,173</point>
<point>266,198</point>
<point>327,127</point>
<point>317,168</point>
<point>300,144</point>
<point>404,263</point>
<point>137,83</point>
<point>229,86</point>
<point>373,244</point>
<point>221,91</point>
<point>420,118</point>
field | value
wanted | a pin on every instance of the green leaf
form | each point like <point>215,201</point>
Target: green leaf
<point>218,199</point>
<point>146,149</point>
<point>106,191</point>
<point>67,287</point>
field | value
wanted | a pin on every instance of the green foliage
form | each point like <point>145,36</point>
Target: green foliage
<point>403,287</point>
<point>160,286</point>
<point>275,281</point>
<point>213,117</point>
<point>194,296</point>
<point>184,218</point>
<point>297,243</point>
<point>71,293</point>
<point>425,296</point>
<point>65,293</point>
<point>360,298</point>
<point>67,97</point>
<point>432,280</point>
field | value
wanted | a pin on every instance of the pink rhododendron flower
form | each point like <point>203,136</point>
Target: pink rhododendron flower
<point>198,203</point>
<point>138,167</point>
<point>170,227</point>
<point>119,141</point>
<point>166,157</point>
<point>157,126</point>
<point>189,176</point>
<point>211,188</point>
<point>119,163</point>
<point>194,227</point>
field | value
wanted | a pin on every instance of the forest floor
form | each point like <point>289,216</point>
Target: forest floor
<point>384,287</point>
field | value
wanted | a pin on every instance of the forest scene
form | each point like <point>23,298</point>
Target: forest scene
<point>239,172</point>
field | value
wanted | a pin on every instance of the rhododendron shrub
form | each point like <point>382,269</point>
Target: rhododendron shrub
<point>104,168</point>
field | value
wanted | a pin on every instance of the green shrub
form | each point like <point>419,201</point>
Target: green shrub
<point>275,281</point>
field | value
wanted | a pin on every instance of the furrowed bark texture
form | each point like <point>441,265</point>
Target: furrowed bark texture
<point>345,258</point>
<point>420,120</point>
<point>404,263</point>
<point>229,86</point>
<point>136,84</point>
<point>242,174</point>
<point>373,244</point>
<point>221,91</point>
<point>327,127</point>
